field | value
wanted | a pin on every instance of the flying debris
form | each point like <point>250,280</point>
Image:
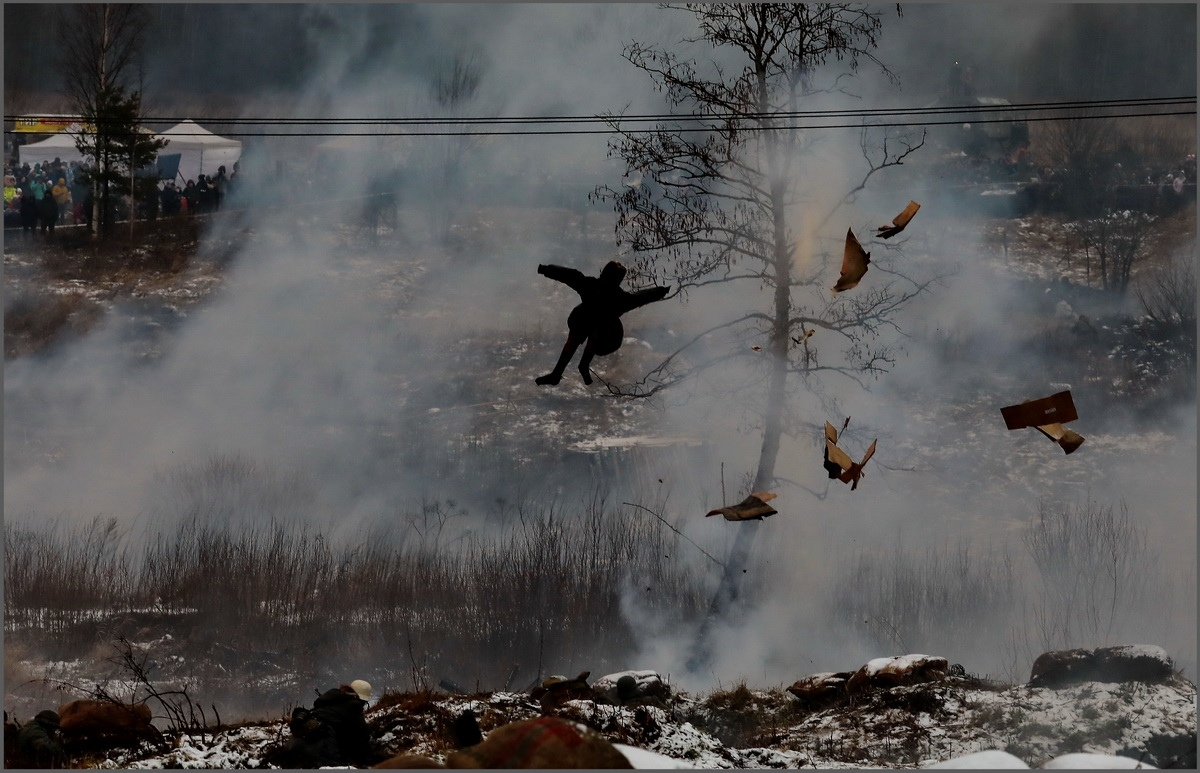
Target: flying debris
<point>595,322</point>
<point>898,222</point>
<point>1047,415</point>
<point>752,508</point>
<point>838,463</point>
<point>854,263</point>
<point>831,435</point>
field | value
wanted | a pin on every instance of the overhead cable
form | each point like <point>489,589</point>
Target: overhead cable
<point>725,115</point>
<point>779,121</point>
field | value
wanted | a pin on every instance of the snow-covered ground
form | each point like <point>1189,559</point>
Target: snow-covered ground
<point>904,727</point>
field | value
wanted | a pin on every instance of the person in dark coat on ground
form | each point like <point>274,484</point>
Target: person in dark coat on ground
<point>29,212</point>
<point>47,213</point>
<point>169,198</point>
<point>38,743</point>
<point>334,731</point>
<point>595,322</point>
<point>190,197</point>
<point>219,185</point>
<point>204,195</point>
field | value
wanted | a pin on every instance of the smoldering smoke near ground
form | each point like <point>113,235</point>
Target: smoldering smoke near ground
<point>286,364</point>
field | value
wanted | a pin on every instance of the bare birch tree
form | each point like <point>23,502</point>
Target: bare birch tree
<point>100,64</point>
<point>717,191</point>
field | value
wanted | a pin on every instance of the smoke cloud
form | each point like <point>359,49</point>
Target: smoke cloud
<point>333,364</point>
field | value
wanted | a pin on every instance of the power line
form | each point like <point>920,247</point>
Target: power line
<point>1016,113</point>
<point>716,116</point>
<point>678,130</point>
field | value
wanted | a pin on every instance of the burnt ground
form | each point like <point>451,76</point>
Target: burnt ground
<point>59,287</point>
<point>59,290</point>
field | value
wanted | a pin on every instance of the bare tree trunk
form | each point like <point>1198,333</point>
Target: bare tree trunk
<point>132,197</point>
<point>737,564</point>
<point>96,192</point>
<point>778,345</point>
<point>702,192</point>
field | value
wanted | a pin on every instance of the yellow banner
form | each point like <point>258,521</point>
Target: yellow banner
<point>44,124</point>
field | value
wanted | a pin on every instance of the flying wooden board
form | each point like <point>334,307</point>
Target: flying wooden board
<point>1047,415</point>
<point>898,222</point>
<point>753,507</point>
<point>854,263</point>
<point>839,464</point>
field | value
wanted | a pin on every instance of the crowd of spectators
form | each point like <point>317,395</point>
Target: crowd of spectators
<point>47,194</point>
<point>37,198</point>
<point>1175,177</point>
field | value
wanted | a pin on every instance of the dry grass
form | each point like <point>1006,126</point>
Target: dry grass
<point>61,285</point>
<point>742,717</point>
<point>1159,142</point>
<point>941,600</point>
<point>34,320</point>
<point>543,592</point>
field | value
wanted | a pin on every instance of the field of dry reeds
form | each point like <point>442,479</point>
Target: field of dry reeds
<point>536,590</point>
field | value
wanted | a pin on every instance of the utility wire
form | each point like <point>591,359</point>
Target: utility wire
<point>616,117</point>
<point>613,123</point>
<point>676,130</point>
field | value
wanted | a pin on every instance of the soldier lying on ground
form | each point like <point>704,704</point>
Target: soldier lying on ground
<point>334,731</point>
<point>38,744</point>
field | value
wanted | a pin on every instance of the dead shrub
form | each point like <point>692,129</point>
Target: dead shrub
<point>542,592</point>
<point>35,320</point>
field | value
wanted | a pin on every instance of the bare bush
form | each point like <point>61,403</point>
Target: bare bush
<point>57,576</point>
<point>1168,296</point>
<point>943,599</point>
<point>1079,148</point>
<point>543,593</point>
<point>1118,238</point>
<point>1159,141</point>
<point>1090,560</point>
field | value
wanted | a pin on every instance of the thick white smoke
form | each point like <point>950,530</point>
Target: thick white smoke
<point>300,356</point>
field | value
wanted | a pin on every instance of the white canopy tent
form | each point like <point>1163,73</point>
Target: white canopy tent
<point>61,146</point>
<point>201,151</point>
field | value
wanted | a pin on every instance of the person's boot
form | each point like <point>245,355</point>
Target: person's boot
<point>555,376</point>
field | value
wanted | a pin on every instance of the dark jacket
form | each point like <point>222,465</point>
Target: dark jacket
<point>29,209</point>
<point>603,302</point>
<point>169,197</point>
<point>38,742</point>
<point>333,732</point>
<point>344,713</point>
<point>603,295</point>
<point>48,211</point>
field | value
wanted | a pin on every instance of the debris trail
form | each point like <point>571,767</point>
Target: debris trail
<point>898,222</point>
<point>854,264</point>
<point>677,531</point>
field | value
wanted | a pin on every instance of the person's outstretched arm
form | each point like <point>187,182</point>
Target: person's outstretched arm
<point>641,297</point>
<point>571,277</point>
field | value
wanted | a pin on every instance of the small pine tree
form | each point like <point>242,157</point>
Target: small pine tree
<point>114,139</point>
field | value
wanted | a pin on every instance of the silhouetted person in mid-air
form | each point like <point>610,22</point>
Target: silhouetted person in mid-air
<point>595,322</point>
